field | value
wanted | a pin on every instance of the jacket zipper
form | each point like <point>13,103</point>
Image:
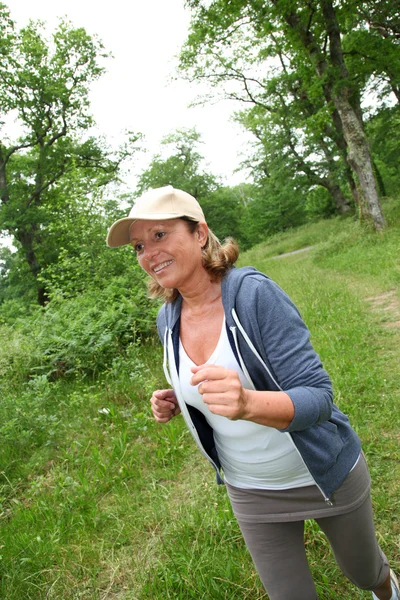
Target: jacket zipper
<point>256,354</point>
<point>173,379</point>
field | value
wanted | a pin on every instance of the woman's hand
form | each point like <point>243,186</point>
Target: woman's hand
<point>222,391</point>
<point>224,395</point>
<point>164,405</point>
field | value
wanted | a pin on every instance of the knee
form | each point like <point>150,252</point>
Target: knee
<point>368,581</point>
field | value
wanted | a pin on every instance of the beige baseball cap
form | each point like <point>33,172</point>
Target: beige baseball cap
<point>156,204</point>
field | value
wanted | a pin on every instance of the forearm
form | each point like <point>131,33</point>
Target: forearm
<point>274,409</point>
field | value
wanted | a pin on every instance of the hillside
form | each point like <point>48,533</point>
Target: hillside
<point>97,501</point>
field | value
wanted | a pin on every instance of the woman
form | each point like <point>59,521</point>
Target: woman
<point>256,399</point>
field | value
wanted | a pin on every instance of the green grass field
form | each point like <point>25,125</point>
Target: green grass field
<point>99,502</point>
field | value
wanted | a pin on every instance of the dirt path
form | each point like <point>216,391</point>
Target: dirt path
<point>294,252</point>
<point>387,304</point>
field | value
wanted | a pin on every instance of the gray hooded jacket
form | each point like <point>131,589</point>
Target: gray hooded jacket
<point>272,344</point>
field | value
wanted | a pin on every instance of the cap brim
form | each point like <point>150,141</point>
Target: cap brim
<point>118,234</point>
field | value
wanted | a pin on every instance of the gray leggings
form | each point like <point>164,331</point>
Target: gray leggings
<point>279,554</point>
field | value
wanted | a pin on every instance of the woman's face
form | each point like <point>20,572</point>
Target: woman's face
<point>169,252</point>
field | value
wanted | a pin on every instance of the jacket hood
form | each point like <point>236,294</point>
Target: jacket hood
<point>231,286</point>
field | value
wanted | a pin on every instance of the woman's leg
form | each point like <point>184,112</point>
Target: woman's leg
<point>278,552</point>
<point>353,541</point>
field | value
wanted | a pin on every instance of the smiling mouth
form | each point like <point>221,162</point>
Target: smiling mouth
<point>158,268</point>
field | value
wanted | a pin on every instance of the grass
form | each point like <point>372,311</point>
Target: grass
<point>99,502</point>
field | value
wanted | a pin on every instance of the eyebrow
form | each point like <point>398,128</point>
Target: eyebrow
<point>148,230</point>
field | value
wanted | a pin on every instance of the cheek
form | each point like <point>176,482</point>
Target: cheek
<point>142,263</point>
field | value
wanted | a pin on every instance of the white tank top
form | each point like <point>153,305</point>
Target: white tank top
<point>251,455</point>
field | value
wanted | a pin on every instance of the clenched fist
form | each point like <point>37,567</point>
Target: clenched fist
<point>164,405</point>
<point>221,390</point>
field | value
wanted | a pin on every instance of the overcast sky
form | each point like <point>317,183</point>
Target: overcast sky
<point>136,93</point>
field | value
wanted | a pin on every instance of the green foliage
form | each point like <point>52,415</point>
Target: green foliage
<point>181,168</point>
<point>274,207</point>
<point>318,204</point>
<point>54,166</point>
<point>295,144</point>
<point>247,212</point>
<point>98,304</point>
<point>372,48</point>
<point>298,67</point>
<point>75,256</point>
<point>338,235</point>
<point>224,210</point>
<point>17,354</point>
<point>223,206</point>
<point>82,259</point>
<point>385,148</point>
<point>105,323</point>
<point>16,280</point>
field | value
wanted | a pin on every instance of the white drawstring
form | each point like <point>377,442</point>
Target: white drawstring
<point>165,359</point>
<point>243,366</point>
<point>252,348</point>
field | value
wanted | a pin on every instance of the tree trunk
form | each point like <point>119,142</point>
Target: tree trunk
<point>359,156</point>
<point>359,159</point>
<point>42,296</point>
<point>338,137</point>
<point>4,194</point>
<point>341,202</point>
<point>379,180</point>
<point>352,184</point>
<point>26,239</point>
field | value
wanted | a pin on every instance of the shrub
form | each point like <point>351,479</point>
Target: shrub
<point>87,332</point>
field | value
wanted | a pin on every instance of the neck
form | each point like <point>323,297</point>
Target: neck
<point>202,298</point>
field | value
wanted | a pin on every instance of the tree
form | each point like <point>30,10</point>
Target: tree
<point>332,71</point>
<point>372,48</point>
<point>284,108</point>
<point>285,147</point>
<point>182,167</point>
<point>45,85</point>
<point>224,209</point>
<point>311,37</point>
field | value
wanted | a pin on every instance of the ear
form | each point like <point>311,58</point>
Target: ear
<point>202,233</point>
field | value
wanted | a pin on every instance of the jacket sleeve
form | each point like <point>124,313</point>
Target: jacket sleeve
<point>293,361</point>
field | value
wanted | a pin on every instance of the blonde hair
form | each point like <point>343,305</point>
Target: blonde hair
<point>217,260</point>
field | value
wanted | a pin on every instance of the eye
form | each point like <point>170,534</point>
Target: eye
<point>159,235</point>
<point>138,248</point>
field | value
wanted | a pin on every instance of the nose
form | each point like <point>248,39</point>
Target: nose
<point>149,252</point>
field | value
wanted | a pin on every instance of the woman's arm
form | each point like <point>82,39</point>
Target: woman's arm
<point>283,341</point>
